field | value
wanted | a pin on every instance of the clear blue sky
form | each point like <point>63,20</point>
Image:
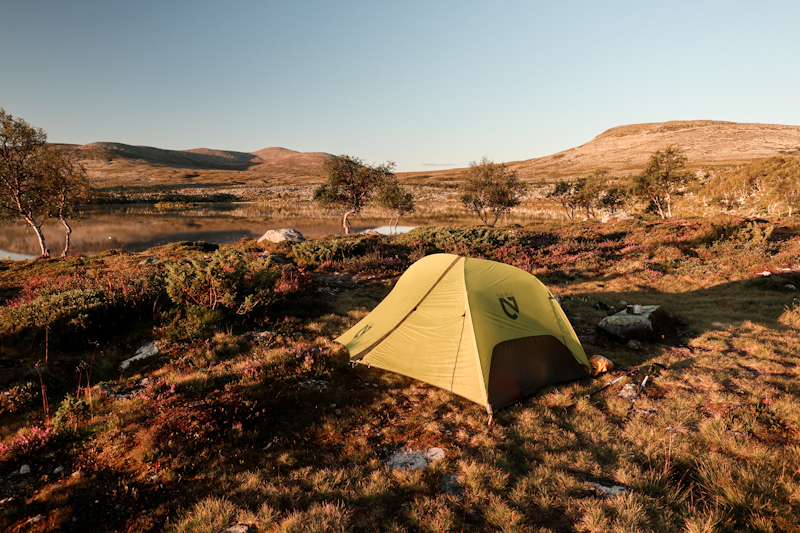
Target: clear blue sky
<point>427,84</point>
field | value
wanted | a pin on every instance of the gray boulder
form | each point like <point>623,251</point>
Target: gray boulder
<point>646,326</point>
<point>280,235</point>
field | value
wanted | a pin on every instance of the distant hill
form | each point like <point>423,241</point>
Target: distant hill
<point>621,150</point>
<point>625,149</point>
<point>117,165</point>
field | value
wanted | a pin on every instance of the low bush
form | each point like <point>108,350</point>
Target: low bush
<point>332,248</point>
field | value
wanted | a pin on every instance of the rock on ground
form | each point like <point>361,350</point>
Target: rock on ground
<point>450,485</point>
<point>414,459</point>
<point>613,490</point>
<point>238,528</point>
<point>148,350</point>
<point>280,235</point>
<point>642,327</point>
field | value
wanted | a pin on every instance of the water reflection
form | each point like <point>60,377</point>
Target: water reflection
<point>137,227</point>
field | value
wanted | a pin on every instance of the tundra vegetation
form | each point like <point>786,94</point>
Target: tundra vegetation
<point>251,414</point>
<point>37,181</point>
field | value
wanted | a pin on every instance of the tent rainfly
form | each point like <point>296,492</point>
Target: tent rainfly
<point>486,331</point>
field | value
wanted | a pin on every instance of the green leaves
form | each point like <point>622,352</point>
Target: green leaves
<point>490,189</point>
<point>351,183</point>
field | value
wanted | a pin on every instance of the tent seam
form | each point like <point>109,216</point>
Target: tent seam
<point>375,344</point>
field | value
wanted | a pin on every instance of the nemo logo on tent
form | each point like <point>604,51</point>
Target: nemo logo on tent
<point>363,330</point>
<point>510,307</point>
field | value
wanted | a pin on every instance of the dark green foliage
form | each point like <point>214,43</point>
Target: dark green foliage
<point>226,281</point>
<point>72,309</point>
<point>72,413</point>
<point>331,248</point>
<point>455,240</point>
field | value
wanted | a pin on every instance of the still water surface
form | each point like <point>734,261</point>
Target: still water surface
<point>137,227</point>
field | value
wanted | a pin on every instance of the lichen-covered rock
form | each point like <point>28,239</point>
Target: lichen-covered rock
<point>280,235</point>
<point>645,326</point>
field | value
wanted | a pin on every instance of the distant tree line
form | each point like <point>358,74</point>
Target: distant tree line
<point>664,178</point>
<point>770,186</point>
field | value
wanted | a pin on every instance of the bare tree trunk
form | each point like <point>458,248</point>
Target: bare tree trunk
<point>345,222</point>
<point>38,229</point>
<point>66,235</point>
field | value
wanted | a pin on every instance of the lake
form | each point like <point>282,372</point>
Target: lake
<point>137,227</point>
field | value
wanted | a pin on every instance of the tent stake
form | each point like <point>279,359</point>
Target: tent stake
<point>641,387</point>
<point>604,387</point>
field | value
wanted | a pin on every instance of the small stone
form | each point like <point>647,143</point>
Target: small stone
<point>790,287</point>
<point>26,469</point>
<point>267,447</point>
<point>434,454</point>
<point>407,461</point>
<point>628,392</point>
<point>610,491</point>
<point>633,344</point>
<point>238,528</point>
<point>145,382</point>
<point>333,406</point>
<point>58,470</point>
<point>449,484</point>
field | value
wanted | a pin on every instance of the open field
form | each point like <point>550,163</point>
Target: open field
<point>276,431</point>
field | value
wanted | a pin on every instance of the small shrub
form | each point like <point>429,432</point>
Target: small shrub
<point>334,248</point>
<point>18,397</point>
<point>226,281</point>
<point>72,413</point>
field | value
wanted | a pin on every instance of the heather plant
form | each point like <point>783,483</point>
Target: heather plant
<point>26,441</point>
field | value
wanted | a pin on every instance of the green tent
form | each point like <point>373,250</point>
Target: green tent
<point>486,331</point>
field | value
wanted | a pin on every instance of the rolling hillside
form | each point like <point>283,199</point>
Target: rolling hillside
<point>625,149</point>
<point>621,150</point>
<point>116,165</point>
